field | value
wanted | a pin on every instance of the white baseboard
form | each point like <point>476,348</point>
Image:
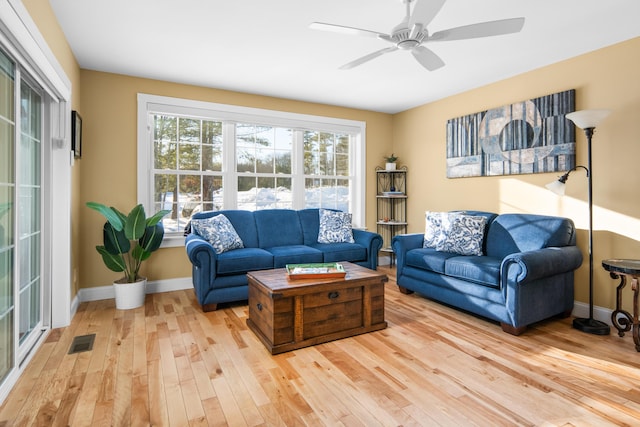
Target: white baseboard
<point>385,260</point>
<point>153,287</point>
<point>581,309</point>
<point>75,302</point>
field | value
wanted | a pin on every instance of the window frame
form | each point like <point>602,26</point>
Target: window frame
<point>229,115</point>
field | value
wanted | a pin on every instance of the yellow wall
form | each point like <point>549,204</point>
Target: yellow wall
<point>607,78</point>
<point>109,111</point>
<point>43,16</point>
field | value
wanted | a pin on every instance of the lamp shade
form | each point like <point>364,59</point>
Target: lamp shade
<point>557,187</point>
<point>585,119</point>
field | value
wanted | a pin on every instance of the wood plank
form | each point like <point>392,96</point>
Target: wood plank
<point>172,392</point>
<point>124,374</point>
<point>193,405</point>
<point>139,400</point>
<point>158,412</point>
<point>227,351</point>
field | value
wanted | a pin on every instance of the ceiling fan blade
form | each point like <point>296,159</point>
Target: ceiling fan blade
<point>427,58</point>
<point>367,58</point>
<point>347,30</point>
<point>483,29</point>
<point>425,10</point>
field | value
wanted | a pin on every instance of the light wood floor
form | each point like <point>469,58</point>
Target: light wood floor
<point>170,364</point>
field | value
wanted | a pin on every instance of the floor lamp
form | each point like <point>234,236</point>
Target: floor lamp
<point>586,120</point>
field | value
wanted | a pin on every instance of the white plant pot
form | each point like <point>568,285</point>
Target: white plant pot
<point>130,295</point>
<point>390,166</point>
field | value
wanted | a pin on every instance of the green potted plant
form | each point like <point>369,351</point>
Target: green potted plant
<point>129,240</point>
<point>391,162</point>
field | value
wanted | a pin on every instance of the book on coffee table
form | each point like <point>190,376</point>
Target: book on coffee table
<point>315,270</point>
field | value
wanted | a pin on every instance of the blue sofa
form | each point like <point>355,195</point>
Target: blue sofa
<point>271,238</point>
<point>524,274</point>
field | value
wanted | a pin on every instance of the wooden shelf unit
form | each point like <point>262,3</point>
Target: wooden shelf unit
<point>391,205</point>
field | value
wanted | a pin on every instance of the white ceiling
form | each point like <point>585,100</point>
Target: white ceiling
<point>265,46</point>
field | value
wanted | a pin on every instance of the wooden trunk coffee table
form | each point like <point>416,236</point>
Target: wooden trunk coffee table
<point>290,314</point>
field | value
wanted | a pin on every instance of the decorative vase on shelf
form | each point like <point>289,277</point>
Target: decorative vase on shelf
<point>390,166</point>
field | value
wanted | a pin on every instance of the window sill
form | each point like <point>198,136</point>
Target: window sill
<point>172,241</point>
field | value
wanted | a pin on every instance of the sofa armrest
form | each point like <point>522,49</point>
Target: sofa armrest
<point>403,243</point>
<point>199,250</point>
<point>546,262</point>
<point>372,241</point>
<point>204,260</point>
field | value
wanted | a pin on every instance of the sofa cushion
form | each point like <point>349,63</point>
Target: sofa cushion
<point>334,252</point>
<point>462,234</point>
<point>242,221</point>
<point>483,270</point>
<point>243,260</point>
<point>218,231</point>
<point>513,233</point>
<point>278,227</point>
<point>428,259</point>
<point>310,222</point>
<point>294,254</point>
<point>461,292</point>
<point>335,227</point>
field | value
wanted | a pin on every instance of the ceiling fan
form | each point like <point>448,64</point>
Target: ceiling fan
<point>412,33</point>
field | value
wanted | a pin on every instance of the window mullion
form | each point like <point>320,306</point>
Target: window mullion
<point>297,170</point>
<point>229,174</point>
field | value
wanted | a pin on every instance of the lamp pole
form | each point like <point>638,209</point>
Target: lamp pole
<point>589,133</point>
<point>590,325</point>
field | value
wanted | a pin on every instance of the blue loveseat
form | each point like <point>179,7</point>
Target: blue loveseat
<point>271,238</point>
<point>523,275</point>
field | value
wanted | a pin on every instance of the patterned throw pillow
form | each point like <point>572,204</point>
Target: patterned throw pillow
<point>433,228</point>
<point>463,235</point>
<point>335,227</point>
<point>218,231</point>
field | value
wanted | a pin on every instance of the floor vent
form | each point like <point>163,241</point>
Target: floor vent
<point>82,343</point>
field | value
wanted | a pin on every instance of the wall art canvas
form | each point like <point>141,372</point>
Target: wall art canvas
<point>532,136</point>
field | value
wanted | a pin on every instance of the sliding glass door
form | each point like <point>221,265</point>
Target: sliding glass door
<point>7,214</point>
<point>29,219</point>
<point>20,215</point>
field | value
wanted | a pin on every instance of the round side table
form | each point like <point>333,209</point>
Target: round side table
<point>621,319</point>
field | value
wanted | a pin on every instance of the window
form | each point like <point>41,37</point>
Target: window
<point>326,170</point>
<point>187,166</point>
<point>195,156</point>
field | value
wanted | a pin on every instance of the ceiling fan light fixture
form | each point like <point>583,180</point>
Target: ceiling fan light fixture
<point>408,44</point>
